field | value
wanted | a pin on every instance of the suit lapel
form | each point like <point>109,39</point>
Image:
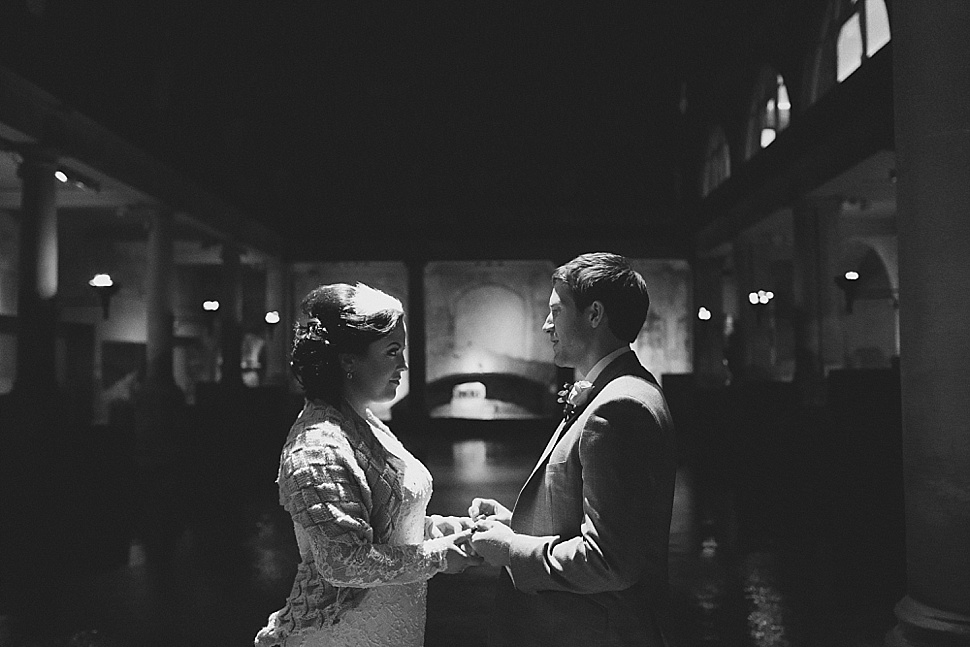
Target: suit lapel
<point>560,430</point>
<point>625,364</point>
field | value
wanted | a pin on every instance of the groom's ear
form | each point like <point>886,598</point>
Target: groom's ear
<point>596,314</point>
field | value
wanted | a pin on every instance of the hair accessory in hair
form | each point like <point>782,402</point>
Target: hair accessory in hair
<point>317,331</point>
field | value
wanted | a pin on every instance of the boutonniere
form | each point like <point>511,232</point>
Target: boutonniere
<point>574,396</point>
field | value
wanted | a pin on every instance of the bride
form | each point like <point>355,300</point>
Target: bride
<point>357,497</point>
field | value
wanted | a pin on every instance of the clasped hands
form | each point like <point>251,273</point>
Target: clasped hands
<point>481,537</point>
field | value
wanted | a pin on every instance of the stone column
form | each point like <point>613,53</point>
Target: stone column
<point>818,337</point>
<point>159,401</point>
<point>158,301</point>
<point>931,89</point>
<point>417,341</point>
<point>37,312</point>
<point>159,414</point>
<point>709,369</point>
<point>756,325</point>
<point>278,336</point>
<point>230,310</point>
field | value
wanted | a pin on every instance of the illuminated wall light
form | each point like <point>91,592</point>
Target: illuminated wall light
<point>848,284</point>
<point>759,300</point>
<point>760,297</point>
<point>767,136</point>
<point>211,310</point>
<point>272,317</point>
<point>101,281</point>
<point>703,314</point>
<point>105,286</point>
<point>79,180</point>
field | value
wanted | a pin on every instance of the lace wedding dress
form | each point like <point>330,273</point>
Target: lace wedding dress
<point>391,614</point>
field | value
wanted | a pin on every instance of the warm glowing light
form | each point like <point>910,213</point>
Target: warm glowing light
<point>703,314</point>
<point>767,136</point>
<point>101,281</point>
<point>760,297</point>
<point>210,306</point>
<point>852,276</point>
<point>61,175</point>
<point>272,317</point>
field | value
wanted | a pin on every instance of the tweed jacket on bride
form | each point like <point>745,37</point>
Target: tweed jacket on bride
<point>342,488</point>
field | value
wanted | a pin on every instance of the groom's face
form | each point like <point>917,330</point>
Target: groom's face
<point>567,328</point>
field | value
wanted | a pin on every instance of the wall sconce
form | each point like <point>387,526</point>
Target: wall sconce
<point>849,284</point>
<point>77,179</point>
<point>106,288</point>
<point>272,319</point>
<point>210,309</point>
<point>759,301</point>
<point>703,314</point>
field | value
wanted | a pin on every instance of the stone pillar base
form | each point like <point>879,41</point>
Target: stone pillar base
<point>923,626</point>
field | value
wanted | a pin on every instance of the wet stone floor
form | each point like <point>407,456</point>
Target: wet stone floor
<point>750,567</point>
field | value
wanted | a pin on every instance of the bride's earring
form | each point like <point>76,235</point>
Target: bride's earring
<point>350,375</point>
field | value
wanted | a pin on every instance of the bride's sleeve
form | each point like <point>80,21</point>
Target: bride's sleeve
<point>326,493</point>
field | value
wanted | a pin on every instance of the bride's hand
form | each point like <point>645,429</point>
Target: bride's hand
<point>437,525</point>
<point>458,555</point>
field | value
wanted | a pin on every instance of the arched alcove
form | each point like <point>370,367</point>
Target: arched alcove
<point>869,311</point>
<point>490,323</point>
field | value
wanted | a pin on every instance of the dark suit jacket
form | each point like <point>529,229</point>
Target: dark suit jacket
<point>589,562</point>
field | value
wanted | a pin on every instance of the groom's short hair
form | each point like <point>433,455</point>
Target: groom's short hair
<point>610,279</point>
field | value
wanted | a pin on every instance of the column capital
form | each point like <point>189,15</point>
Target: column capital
<point>38,156</point>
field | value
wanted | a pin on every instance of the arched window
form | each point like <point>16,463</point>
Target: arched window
<point>864,32</point>
<point>853,32</point>
<point>770,112</point>
<point>717,162</point>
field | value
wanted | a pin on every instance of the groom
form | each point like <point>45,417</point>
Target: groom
<point>585,548</point>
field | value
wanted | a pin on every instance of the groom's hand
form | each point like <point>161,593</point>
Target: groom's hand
<point>458,555</point>
<point>489,509</point>
<point>491,539</point>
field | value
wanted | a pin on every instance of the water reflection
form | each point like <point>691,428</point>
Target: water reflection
<point>470,460</point>
<point>731,586</point>
<point>768,617</point>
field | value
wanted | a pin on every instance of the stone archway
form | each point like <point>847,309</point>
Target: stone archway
<point>869,317</point>
<point>490,327</point>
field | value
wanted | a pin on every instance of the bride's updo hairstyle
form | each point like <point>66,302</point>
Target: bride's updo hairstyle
<point>341,318</point>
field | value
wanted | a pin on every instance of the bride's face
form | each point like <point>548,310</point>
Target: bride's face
<point>377,372</point>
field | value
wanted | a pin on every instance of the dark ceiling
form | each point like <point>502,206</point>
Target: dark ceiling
<point>375,123</point>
